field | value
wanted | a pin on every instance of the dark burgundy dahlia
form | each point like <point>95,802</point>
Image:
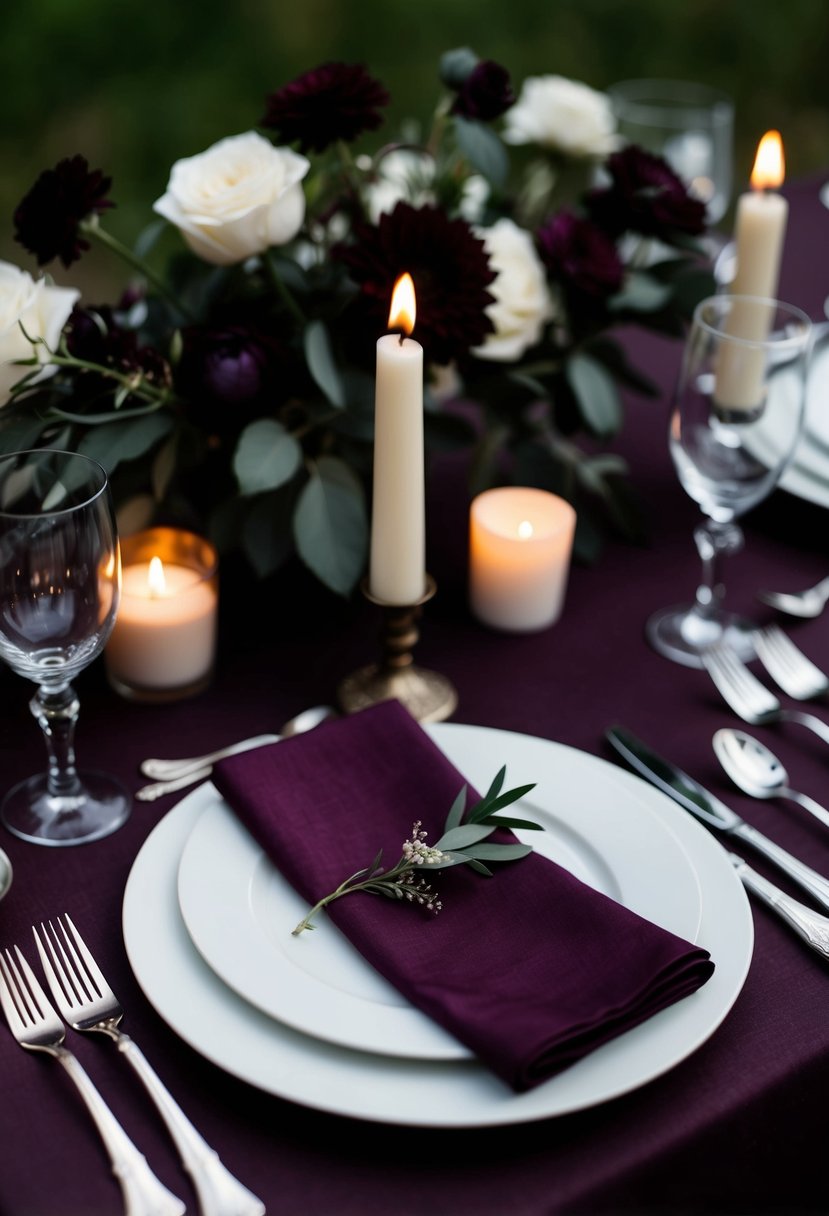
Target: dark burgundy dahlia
<point>485,94</point>
<point>47,220</point>
<point>645,196</point>
<point>331,102</point>
<point>450,269</point>
<point>96,336</point>
<point>580,256</point>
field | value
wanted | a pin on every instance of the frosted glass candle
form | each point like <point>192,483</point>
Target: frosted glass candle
<point>163,645</point>
<point>520,541</point>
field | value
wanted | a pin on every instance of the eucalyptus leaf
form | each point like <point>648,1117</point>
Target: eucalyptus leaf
<point>484,813</point>
<point>483,149</point>
<point>321,362</point>
<point>462,836</point>
<point>456,811</point>
<point>596,393</point>
<point>112,442</point>
<point>267,537</point>
<point>498,852</point>
<point>479,867</point>
<point>330,525</point>
<point>164,466</point>
<point>266,457</point>
<point>507,821</point>
<point>641,293</point>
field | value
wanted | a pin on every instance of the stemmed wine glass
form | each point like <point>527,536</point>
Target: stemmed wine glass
<point>736,419</point>
<point>60,574</point>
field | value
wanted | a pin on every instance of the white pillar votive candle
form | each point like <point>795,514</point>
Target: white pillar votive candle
<point>520,541</point>
<point>163,645</point>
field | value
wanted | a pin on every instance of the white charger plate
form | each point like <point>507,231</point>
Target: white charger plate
<point>258,1049</point>
<point>239,910</point>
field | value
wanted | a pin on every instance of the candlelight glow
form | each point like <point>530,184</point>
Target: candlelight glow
<point>769,165</point>
<point>525,529</point>
<point>155,577</point>
<point>403,308</point>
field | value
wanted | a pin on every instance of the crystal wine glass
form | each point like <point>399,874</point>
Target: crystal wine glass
<point>59,583</point>
<point>736,419</point>
<point>691,125</point>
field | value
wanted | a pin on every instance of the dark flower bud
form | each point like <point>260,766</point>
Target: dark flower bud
<point>485,94</point>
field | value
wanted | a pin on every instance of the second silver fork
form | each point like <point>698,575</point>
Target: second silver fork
<point>89,1004</point>
<point>788,666</point>
<point>749,697</point>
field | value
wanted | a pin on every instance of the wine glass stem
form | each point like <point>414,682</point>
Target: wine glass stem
<point>714,542</point>
<point>56,711</point>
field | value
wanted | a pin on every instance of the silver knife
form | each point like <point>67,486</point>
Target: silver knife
<point>810,925</point>
<point>713,813</point>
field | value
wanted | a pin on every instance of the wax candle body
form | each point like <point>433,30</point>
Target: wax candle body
<point>163,641</point>
<point>519,557</point>
<point>397,573</point>
<point>759,234</point>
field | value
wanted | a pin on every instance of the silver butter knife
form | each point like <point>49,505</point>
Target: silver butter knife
<point>713,813</point>
<point>810,925</point>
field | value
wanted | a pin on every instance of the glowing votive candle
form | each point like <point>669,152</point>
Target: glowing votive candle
<point>520,541</point>
<point>164,642</point>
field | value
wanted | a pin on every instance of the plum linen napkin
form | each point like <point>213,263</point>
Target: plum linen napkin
<point>531,969</point>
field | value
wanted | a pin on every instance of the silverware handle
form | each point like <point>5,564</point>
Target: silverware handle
<point>809,925</point>
<point>817,725</point>
<point>803,875</point>
<point>149,793</point>
<point>164,770</point>
<point>220,1194</point>
<point>144,1194</point>
<point>809,804</point>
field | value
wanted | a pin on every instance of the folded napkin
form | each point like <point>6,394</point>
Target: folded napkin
<point>531,968</point>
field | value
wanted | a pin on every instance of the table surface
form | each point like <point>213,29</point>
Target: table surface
<point>737,1127</point>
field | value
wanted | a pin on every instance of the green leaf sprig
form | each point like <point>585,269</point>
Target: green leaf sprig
<point>462,843</point>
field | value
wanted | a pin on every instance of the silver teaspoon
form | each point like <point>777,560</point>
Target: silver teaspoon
<point>5,873</point>
<point>758,772</point>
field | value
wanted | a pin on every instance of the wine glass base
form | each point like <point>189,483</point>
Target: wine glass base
<point>682,634</point>
<point>100,807</point>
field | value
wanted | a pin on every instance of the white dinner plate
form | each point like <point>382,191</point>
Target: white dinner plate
<point>239,910</point>
<point>258,1049</point>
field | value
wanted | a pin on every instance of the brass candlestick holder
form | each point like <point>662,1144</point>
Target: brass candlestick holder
<point>428,696</point>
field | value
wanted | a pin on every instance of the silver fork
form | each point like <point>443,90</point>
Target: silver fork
<point>37,1027</point>
<point>788,666</point>
<point>750,699</point>
<point>89,1004</point>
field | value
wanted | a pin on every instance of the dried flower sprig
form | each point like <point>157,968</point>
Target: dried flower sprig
<point>462,843</point>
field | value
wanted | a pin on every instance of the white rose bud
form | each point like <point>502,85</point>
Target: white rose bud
<point>522,299</point>
<point>562,115</point>
<point>237,199</point>
<point>38,308</point>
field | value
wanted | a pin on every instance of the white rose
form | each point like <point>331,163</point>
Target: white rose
<point>236,199</point>
<point>402,175</point>
<point>522,299</point>
<point>41,310</point>
<point>563,115</point>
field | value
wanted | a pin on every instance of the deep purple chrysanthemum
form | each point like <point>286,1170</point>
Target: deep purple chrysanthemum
<point>450,269</point>
<point>645,196</point>
<point>47,220</point>
<point>331,102</point>
<point>486,93</point>
<point>580,256</point>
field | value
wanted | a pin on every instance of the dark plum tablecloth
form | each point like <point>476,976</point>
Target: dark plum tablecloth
<point>738,1127</point>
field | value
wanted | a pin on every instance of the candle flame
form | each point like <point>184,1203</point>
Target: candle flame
<point>525,529</point>
<point>769,164</point>
<point>155,577</point>
<point>403,308</point>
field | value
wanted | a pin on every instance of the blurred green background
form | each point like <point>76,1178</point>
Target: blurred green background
<point>135,85</point>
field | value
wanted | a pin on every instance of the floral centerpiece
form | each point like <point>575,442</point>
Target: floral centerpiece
<point>233,389</point>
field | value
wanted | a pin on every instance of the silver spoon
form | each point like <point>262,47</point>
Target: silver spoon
<point>758,772</point>
<point>808,603</point>
<point>5,873</point>
<point>177,774</point>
